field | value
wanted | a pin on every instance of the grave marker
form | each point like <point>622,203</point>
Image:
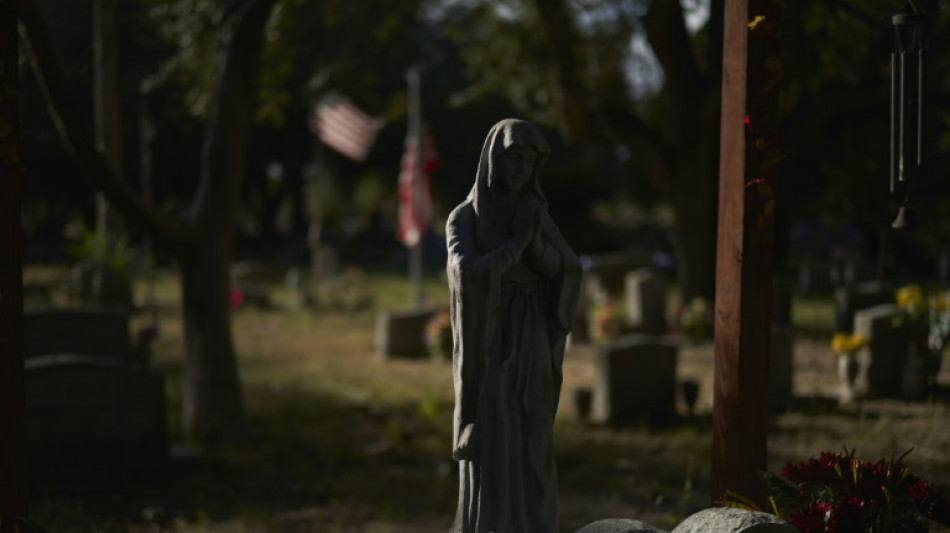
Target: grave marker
<point>636,378</point>
<point>881,362</point>
<point>646,300</point>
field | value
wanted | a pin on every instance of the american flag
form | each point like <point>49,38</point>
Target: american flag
<point>344,127</point>
<point>415,202</point>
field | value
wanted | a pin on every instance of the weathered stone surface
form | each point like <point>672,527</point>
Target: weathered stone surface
<point>514,284</point>
<point>881,362</point>
<point>636,377</point>
<point>731,520</point>
<point>100,331</point>
<point>402,333</point>
<point>850,300</point>
<point>619,525</point>
<point>90,419</point>
<point>646,300</point>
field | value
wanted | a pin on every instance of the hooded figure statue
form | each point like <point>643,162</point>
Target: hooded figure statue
<point>514,285</point>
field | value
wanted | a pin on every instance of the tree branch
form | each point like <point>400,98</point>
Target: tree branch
<point>645,149</point>
<point>685,83</point>
<point>76,134</point>
<point>560,34</point>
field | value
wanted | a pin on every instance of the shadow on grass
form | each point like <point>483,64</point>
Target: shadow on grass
<point>307,458</point>
<point>316,463</point>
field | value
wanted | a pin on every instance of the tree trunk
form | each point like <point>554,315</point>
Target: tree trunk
<point>201,241</point>
<point>683,167</point>
<point>213,407</point>
<point>13,493</point>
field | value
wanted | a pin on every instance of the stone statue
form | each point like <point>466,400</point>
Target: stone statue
<point>514,285</point>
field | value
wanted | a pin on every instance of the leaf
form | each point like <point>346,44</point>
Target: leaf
<point>755,22</point>
<point>738,501</point>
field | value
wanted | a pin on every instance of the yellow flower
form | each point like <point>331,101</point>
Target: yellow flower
<point>909,296</point>
<point>847,343</point>
<point>940,302</point>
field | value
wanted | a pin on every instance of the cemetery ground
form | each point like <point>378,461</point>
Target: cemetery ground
<point>341,441</point>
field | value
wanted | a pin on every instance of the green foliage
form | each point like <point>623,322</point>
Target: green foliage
<point>505,52</point>
<point>109,251</point>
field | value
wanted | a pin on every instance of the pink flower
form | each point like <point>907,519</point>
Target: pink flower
<point>236,298</point>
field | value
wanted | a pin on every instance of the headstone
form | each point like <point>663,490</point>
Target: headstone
<point>88,330</point>
<point>619,525</point>
<point>402,333</point>
<point>732,520</point>
<point>326,263</point>
<point>646,301</point>
<point>594,290</point>
<point>881,362</point>
<point>91,419</point>
<point>849,300</point>
<point>636,378</point>
<point>609,271</point>
<point>781,367</point>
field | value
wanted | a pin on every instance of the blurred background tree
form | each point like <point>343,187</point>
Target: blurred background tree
<point>627,91</point>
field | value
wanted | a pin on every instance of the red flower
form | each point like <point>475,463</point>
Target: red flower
<point>848,515</point>
<point>236,298</point>
<point>930,501</point>
<point>820,470</point>
<point>810,518</point>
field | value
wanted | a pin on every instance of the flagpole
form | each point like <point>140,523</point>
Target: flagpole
<point>415,133</point>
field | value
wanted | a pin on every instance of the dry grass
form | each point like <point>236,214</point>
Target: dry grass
<point>342,441</point>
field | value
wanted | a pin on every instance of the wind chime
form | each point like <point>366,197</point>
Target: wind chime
<point>907,102</point>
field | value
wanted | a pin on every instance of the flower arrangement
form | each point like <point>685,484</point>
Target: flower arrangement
<point>928,317</point>
<point>696,319</point>
<point>931,313</point>
<point>838,493</point>
<point>847,343</point>
<point>438,334</point>
<point>607,320</point>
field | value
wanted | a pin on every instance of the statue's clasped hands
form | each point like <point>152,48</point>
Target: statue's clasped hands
<point>527,226</point>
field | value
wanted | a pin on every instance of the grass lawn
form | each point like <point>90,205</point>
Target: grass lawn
<point>341,441</point>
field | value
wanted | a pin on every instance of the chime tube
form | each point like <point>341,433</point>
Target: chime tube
<point>920,106</point>
<point>894,106</point>
<point>902,143</point>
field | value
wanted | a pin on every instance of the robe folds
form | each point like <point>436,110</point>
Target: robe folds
<point>510,320</point>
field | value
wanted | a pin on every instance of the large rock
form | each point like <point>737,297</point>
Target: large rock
<point>619,525</point>
<point>732,520</point>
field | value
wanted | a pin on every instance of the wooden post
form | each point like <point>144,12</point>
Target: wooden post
<point>13,496</point>
<point>748,154</point>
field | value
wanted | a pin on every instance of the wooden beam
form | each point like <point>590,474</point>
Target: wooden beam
<point>748,153</point>
<point>13,498</point>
